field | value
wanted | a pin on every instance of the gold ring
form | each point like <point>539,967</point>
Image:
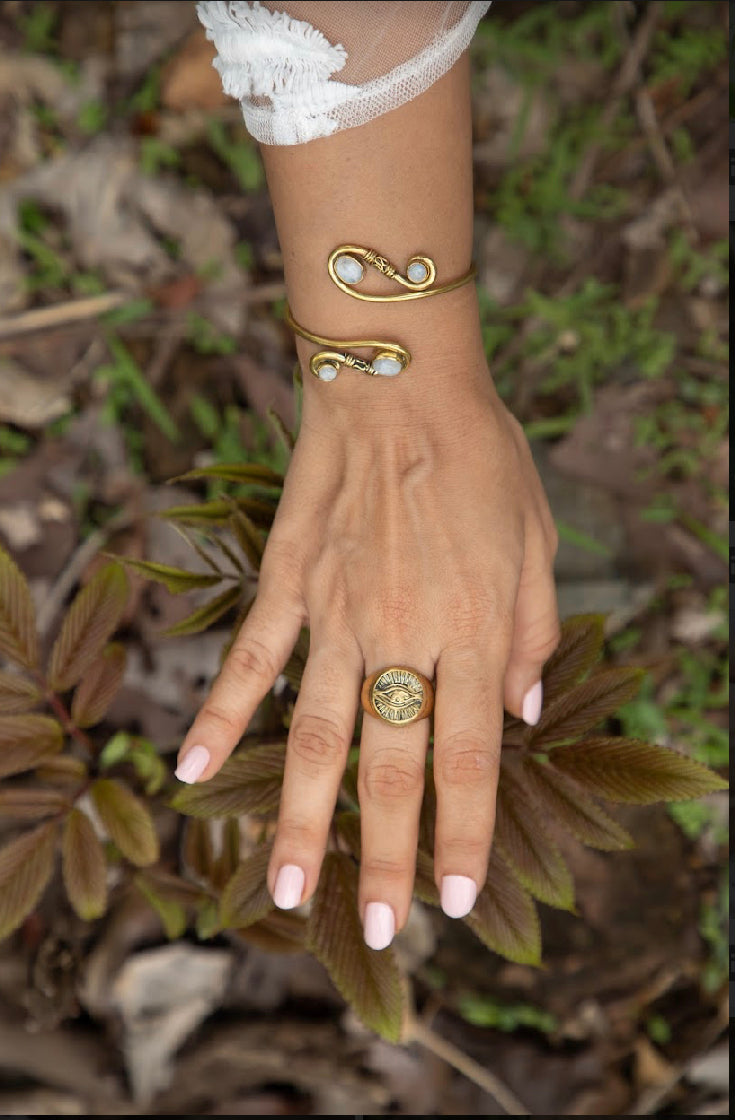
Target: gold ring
<point>397,695</point>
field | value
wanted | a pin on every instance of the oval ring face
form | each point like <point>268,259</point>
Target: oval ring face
<point>397,695</point>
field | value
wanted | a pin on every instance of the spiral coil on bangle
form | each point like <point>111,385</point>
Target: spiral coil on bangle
<point>389,358</point>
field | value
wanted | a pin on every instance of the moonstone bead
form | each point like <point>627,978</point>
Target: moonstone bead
<point>387,367</point>
<point>327,372</point>
<point>348,269</point>
<point>417,272</point>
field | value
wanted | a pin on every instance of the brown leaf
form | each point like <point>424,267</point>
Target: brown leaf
<point>206,615</point>
<point>281,931</point>
<point>248,537</point>
<point>88,624</point>
<point>127,821</point>
<point>368,980</point>
<point>570,805</point>
<point>504,916</point>
<point>256,473</point>
<point>579,648</point>
<point>25,740</point>
<point>99,686</point>
<point>61,770</point>
<point>84,866</point>
<point>25,869</point>
<point>175,580</point>
<point>18,639</point>
<point>249,782</point>
<point>197,849</point>
<point>527,847</point>
<point>17,694</point>
<point>293,670</point>
<point>585,705</point>
<point>424,885</point>
<point>217,512</point>
<point>31,804</point>
<point>349,831</point>
<point>626,770</point>
<point>246,898</point>
<point>172,900</point>
<point>229,856</point>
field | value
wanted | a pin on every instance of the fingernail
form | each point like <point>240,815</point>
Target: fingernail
<point>380,925</point>
<point>289,887</point>
<point>458,895</point>
<point>532,704</point>
<point>193,764</point>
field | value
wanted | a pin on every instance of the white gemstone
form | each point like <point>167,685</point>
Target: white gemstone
<point>417,272</point>
<point>388,367</point>
<point>327,372</point>
<point>348,269</point>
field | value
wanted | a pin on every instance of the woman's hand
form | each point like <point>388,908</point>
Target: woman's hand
<point>417,535</point>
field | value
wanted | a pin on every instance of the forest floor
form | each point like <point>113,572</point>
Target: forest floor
<point>142,334</point>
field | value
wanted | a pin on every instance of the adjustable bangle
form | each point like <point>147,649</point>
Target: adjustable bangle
<point>345,267</point>
<point>389,359</point>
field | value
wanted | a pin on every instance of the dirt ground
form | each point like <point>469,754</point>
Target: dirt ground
<point>141,334</point>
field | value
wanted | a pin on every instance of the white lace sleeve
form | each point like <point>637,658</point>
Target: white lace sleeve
<point>280,59</point>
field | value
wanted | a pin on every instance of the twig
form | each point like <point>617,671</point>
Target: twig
<point>59,314</point>
<point>626,78</point>
<point>416,1031</point>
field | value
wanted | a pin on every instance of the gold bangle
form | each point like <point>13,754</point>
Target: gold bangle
<point>345,269</point>
<point>390,357</point>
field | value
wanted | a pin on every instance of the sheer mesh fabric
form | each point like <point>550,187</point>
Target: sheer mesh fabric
<point>307,69</point>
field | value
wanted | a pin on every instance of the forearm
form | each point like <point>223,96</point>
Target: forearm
<point>402,185</point>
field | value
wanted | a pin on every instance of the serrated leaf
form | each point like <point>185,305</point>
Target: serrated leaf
<point>527,848</point>
<point>255,473</point>
<point>176,580</point>
<point>368,980</point>
<point>580,646</point>
<point>217,512</point>
<point>246,898</point>
<point>18,638</point>
<point>84,866</point>
<point>205,616</point>
<point>25,869</point>
<point>31,804</point>
<point>99,686</point>
<point>61,770</point>
<point>88,624</point>
<point>281,931</point>
<point>620,769</point>
<point>570,805</point>
<point>17,694</point>
<point>248,537</point>
<point>504,915</point>
<point>171,912</point>
<point>127,821</point>
<point>585,705</point>
<point>25,740</point>
<point>249,782</point>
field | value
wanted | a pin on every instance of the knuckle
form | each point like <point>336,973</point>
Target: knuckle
<point>250,658</point>
<point>395,611</point>
<point>221,718</point>
<point>374,869</point>
<point>297,835</point>
<point>471,849</point>
<point>317,741</point>
<point>467,761</point>
<point>392,776</point>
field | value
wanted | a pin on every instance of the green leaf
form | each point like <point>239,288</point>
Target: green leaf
<point>25,740</point>
<point>99,686</point>
<point>569,804</point>
<point>368,980</point>
<point>626,770</point>
<point>246,898</point>
<point>579,648</point>
<point>31,804</point>
<point>249,782</point>
<point>25,869</point>
<point>205,616</point>
<point>526,846</point>
<point>176,580</point>
<point>89,622</point>
<point>171,911</point>
<point>127,821</point>
<point>255,473</point>
<point>293,670</point>
<point>84,866</point>
<point>585,705</point>
<point>217,512</point>
<point>208,922</point>
<point>18,639</point>
<point>17,694</point>
<point>248,537</point>
<point>504,916</point>
<point>279,426</point>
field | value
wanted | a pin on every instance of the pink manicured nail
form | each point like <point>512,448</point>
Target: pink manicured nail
<point>532,704</point>
<point>380,925</point>
<point>289,887</point>
<point>193,764</point>
<point>458,895</point>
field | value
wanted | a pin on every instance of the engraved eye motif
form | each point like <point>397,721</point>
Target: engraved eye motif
<point>399,696</point>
